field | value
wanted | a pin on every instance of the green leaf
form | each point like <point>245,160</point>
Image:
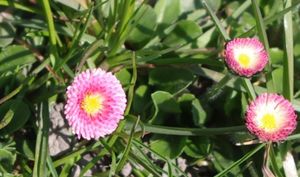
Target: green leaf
<point>14,56</point>
<point>276,55</point>
<point>7,159</point>
<point>7,33</point>
<point>7,118</point>
<point>241,160</point>
<point>26,147</point>
<point>124,76</point>
<point>170,79</point>
<point>288,63</point>
<point>143,30</point>
<point>263,37</point>
<point>232,105</point>
<point>216,20</point>
<point>141,99</point>
<point>20,115</point>
<point>198,147</point>
<point>167,11</point>
<point>199,114</point>
<point>74,4</point>
<point>278,78</point>
<point>168,146</point>
<point>163,103</point>
<point>185,101</point>
<point>184,32</point>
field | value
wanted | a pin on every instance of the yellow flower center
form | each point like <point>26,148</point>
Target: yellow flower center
<point>244,60</point>
<point>268,122</point>
<point>92,104</point>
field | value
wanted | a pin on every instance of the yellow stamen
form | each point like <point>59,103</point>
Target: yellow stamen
<point>92,104</point>
<point>268,121</point>
<point>244,60</point>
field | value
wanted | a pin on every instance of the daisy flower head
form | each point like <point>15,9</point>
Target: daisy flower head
<point>271,117</point>
<point>246,56</point>
<point>95,104</point>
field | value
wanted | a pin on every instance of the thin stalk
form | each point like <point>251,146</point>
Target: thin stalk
<point>265,168</point>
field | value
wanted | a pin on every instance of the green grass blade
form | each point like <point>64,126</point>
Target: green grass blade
<point>132,84</point>
<point>113,164</point>
<point>241,9</point>
<point>288,63</point>
<point>51,167</point>
<point>216,21</point>
<point>263,37</point>
<point>249,87</point>
<point>270,19</point>
<point>241,160</point>
<point>216,89</point>
<point>75,154</point>
<point>274,163</point>
<point>77,37</point>
<point>128,147</point>
<point>50,22</point>
<point>137,144</point>
<point>20,6</point>
<point>192,131</point>
<point>41,151</point>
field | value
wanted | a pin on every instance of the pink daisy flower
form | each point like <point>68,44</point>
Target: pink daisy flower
<point>271,117</point>
<point>246,56</point>
<point>95,104</point>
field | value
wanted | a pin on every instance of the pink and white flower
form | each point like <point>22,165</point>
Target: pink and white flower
<point>271,117</point>
<point>246,56</point>
<point>95,104</point>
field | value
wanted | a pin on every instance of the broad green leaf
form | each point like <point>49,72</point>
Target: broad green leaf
<point>170,79</point>
<point>206,37</point>
<point>214,4</point>
<point>231,106</point>
<point>198,147</point>
<point>20,115</point>
<point>7,160</point>
<point>167,11</point>
<point>297,49</point>
<point>78,5</point>
<point>186,97</point>
<point>185,101</point>
<point>124,76</point>
<point>276,55</point>
<point>184,32</point>
<point>7,33</point>
<point>26,147</point>
<point>143,30</point>
<point>196,15</point>
<point>199,114</point>
<point>278,78</point>
<point>14,56</point>
<point>141,99</point>
<point>164,104</point>
<point>7,118</point>
<point>168,146</point>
